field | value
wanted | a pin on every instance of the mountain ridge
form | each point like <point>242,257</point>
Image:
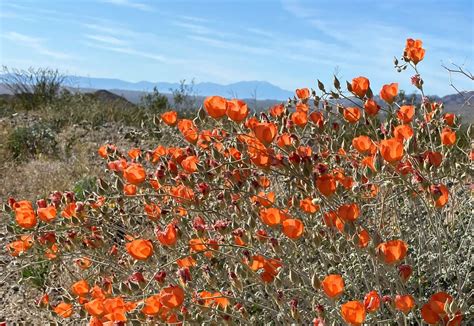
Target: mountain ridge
<point>243,89</point>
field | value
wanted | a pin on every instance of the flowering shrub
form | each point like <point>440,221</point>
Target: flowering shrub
<point>330,208</point>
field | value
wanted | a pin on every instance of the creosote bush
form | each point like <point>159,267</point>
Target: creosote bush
<point>312,212</point>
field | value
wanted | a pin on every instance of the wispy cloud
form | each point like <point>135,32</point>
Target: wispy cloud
<point>36,44</point>
<point>194,19</point>
<point>194,28</point>
<point>106,39</point>
<point>130,4</point>
<point>260,32</point>
<point>230,45</point>
<point>129,51</point>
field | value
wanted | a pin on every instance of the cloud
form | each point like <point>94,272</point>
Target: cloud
<point>260,32</point>
<point>229,45</point>
<point>194,19</point>
<point>130,51</point>
<point>130,4</point>
<point>36,44</point>
<point>194,28</point>
<point>106,39</point>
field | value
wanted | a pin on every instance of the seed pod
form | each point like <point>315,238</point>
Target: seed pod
<point>294,278</point>
<point>315,283</point>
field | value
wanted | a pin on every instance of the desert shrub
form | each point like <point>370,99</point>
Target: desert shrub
<point>315,211</point>
<point>33,87</point>
<point>28,142</point>
<point>184,97</point>
<point>154,102</point>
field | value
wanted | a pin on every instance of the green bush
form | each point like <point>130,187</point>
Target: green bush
<point>84,187</point>
<point>27,142</point>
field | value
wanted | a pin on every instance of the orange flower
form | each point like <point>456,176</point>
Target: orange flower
<point>153,211</point>
<point>214,299</point>
<point>197,245</point>
<point>353,312</point>
<point>115,309</point>
<point>440,194</point>
<point>188,261</point>
<point>24,214</point>
<point>284,140</point>
<point>134,153</point>
<point>389,92</point>
<point>433,311</point>
<point>70,210</point>
<point>307,206</point>
<point>270,267</point>
<point>182,193</point>
<point>271,216</point>
<point>405,113</point>
<point>317,118</point>
<point>64,309</point>
<point>299,118</point>
<point>104,150</point>
<point>129,189</point>
<point>362,144</point>
<point>393,251</point>
<point>265,132</point>
<point>363,238</point>
<point>391,150</point>
<point>263,199</point>
<point>326,184</point>
<point>189,164</point>
<point>403,132</point>
<point>134,174</point>
<point>170,118</point>
<point>140,249</point>
<point>333,285</point>
<point>152,305</point>
<point>293,228</point>
<point>404,303</point>
<point>360,86</point>
<point>369,162</point>
<point>237,110</point>
<point>277,110</point>
<point>264,182</point>
<point>348,212</point>
<point>371,107</point>
<point>352,115</point>
<point>18,247</point>
<point>215,106</point>
<point>188,130</point>
<point>51,253</point>
<point>83,263</point>
<point>47,214</point>
<point>303,93</point>
<point>448,137</point>
<point>414,51</point>
<point>302,107</point>
<point>172,296</point>
<point>449,118</point>
<point>95,307</point>
<point>372,301</point>
<point>169,236</point>
<point>80,288</point>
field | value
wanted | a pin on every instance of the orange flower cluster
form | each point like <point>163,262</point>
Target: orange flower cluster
<point>241,209</point>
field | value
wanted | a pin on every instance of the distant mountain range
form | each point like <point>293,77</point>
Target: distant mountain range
<point>266,93</point>
<point>262,90</point>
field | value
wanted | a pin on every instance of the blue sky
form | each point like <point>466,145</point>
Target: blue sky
<point>289,43</point>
